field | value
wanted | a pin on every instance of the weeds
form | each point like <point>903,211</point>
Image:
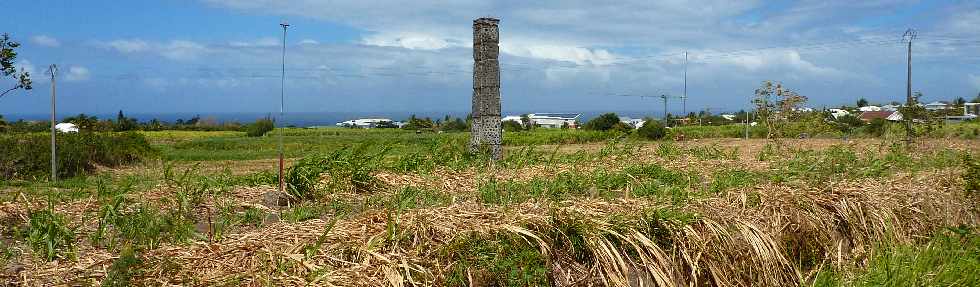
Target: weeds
<point>500,259</point>
<point>346,170</point>
<point>27,156</point>
<point>49,235</point>
<point>971,176</point>
<point>123,269</point>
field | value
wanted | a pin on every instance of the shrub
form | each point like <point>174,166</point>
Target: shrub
<point>511,126</point>
<point>652,129</point>
<point>603,122</point>
<point>260,127</point>
<point>27,156</point>
<point>877,127</point>
<point>972,175</point>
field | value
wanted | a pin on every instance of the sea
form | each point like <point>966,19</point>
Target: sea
<point>311,119</point>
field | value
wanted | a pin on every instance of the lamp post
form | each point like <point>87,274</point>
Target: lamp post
<point>282,103</point>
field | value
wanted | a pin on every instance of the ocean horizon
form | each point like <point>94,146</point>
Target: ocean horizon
<point>312,119</point>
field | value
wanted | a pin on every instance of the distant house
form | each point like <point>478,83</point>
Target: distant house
<point>893,116</point>
<point>368,123</point>
<point>634,123</point>
<point>869,108</point>
<point>554,120</point>
<point>936,106</point>
<point>836,113</point>
<point>512,118</point>
<point>66,127</point>
<point>890,107</point>
<point>731,117</point>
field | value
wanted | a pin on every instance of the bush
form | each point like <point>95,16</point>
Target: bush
<point>260,128</point>
<point>511,126</point>
<point>603,122</point>
<point>27,156</point>
<point>971,177</point>
<point>652,129</point>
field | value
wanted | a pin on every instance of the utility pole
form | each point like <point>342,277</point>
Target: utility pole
<point>282,104</point>
<point>684,100</point>
<point>908,36</point>
<point>746,124</point>
<point>666,122</point>
<point>53,70</point>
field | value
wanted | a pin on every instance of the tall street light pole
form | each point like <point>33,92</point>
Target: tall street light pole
<point>908,36</point>
<point>53,70</point>
<point>282,104</point>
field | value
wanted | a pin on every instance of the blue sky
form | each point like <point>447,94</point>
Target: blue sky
<point>222,56</point>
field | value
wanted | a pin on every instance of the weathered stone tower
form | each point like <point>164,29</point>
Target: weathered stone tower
<point>485,133</point>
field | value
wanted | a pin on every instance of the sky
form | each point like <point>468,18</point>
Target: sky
<point>224,56</point>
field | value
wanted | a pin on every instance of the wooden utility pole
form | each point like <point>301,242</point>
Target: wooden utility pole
<point>53,70</point>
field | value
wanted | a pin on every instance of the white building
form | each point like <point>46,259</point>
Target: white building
<point>554,120</point>
<point>729,117</point>
<point>635,123</point>
<point>837,113</point>
<point>935,106</point>
<point>870,109</point>
<point>513,119</point>
<point>367,123</point>
<point>66,127</point>
<point>890,107</point>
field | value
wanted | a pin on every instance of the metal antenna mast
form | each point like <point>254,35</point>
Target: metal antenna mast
<point>909,36</point>
<point>53,70</point>
<point>282,104</point>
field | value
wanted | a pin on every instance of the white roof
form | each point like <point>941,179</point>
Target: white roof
<point>66,127</point>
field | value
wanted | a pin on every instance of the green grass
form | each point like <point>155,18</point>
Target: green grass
<point>951,258</point>
<point>498,260</point>
<point>645,180</point>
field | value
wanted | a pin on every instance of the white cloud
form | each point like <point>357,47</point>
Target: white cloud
<point>262,42</point>
<point>175,50</point>
<point>577,55</point>
<point>128,45</point>
<point>413,41</point>
<point>26,66</point>
<point>974,80</point>
<point>308,42</point>
<point>46,41</point>
<point>77,73</point>
<point>182,50</point>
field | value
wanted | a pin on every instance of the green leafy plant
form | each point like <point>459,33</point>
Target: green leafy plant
<point>48,234</point>
<point>652,129</point>
<point>260,127</point>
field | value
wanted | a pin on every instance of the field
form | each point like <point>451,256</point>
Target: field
<point>563,208</point>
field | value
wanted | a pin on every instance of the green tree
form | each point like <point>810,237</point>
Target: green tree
<point>603,122</point>
<point>453,125</point>
<point>511,126</point>
<point>260,127</point>
<point>862,102</point>
<point>124,124</point>
<point>913,113</point>
<point>652,129</point>
<point>526,122</point>
<point>847,123</point>
<point>7,58</point>
<point>776,105</point>
<point>84,122</point>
